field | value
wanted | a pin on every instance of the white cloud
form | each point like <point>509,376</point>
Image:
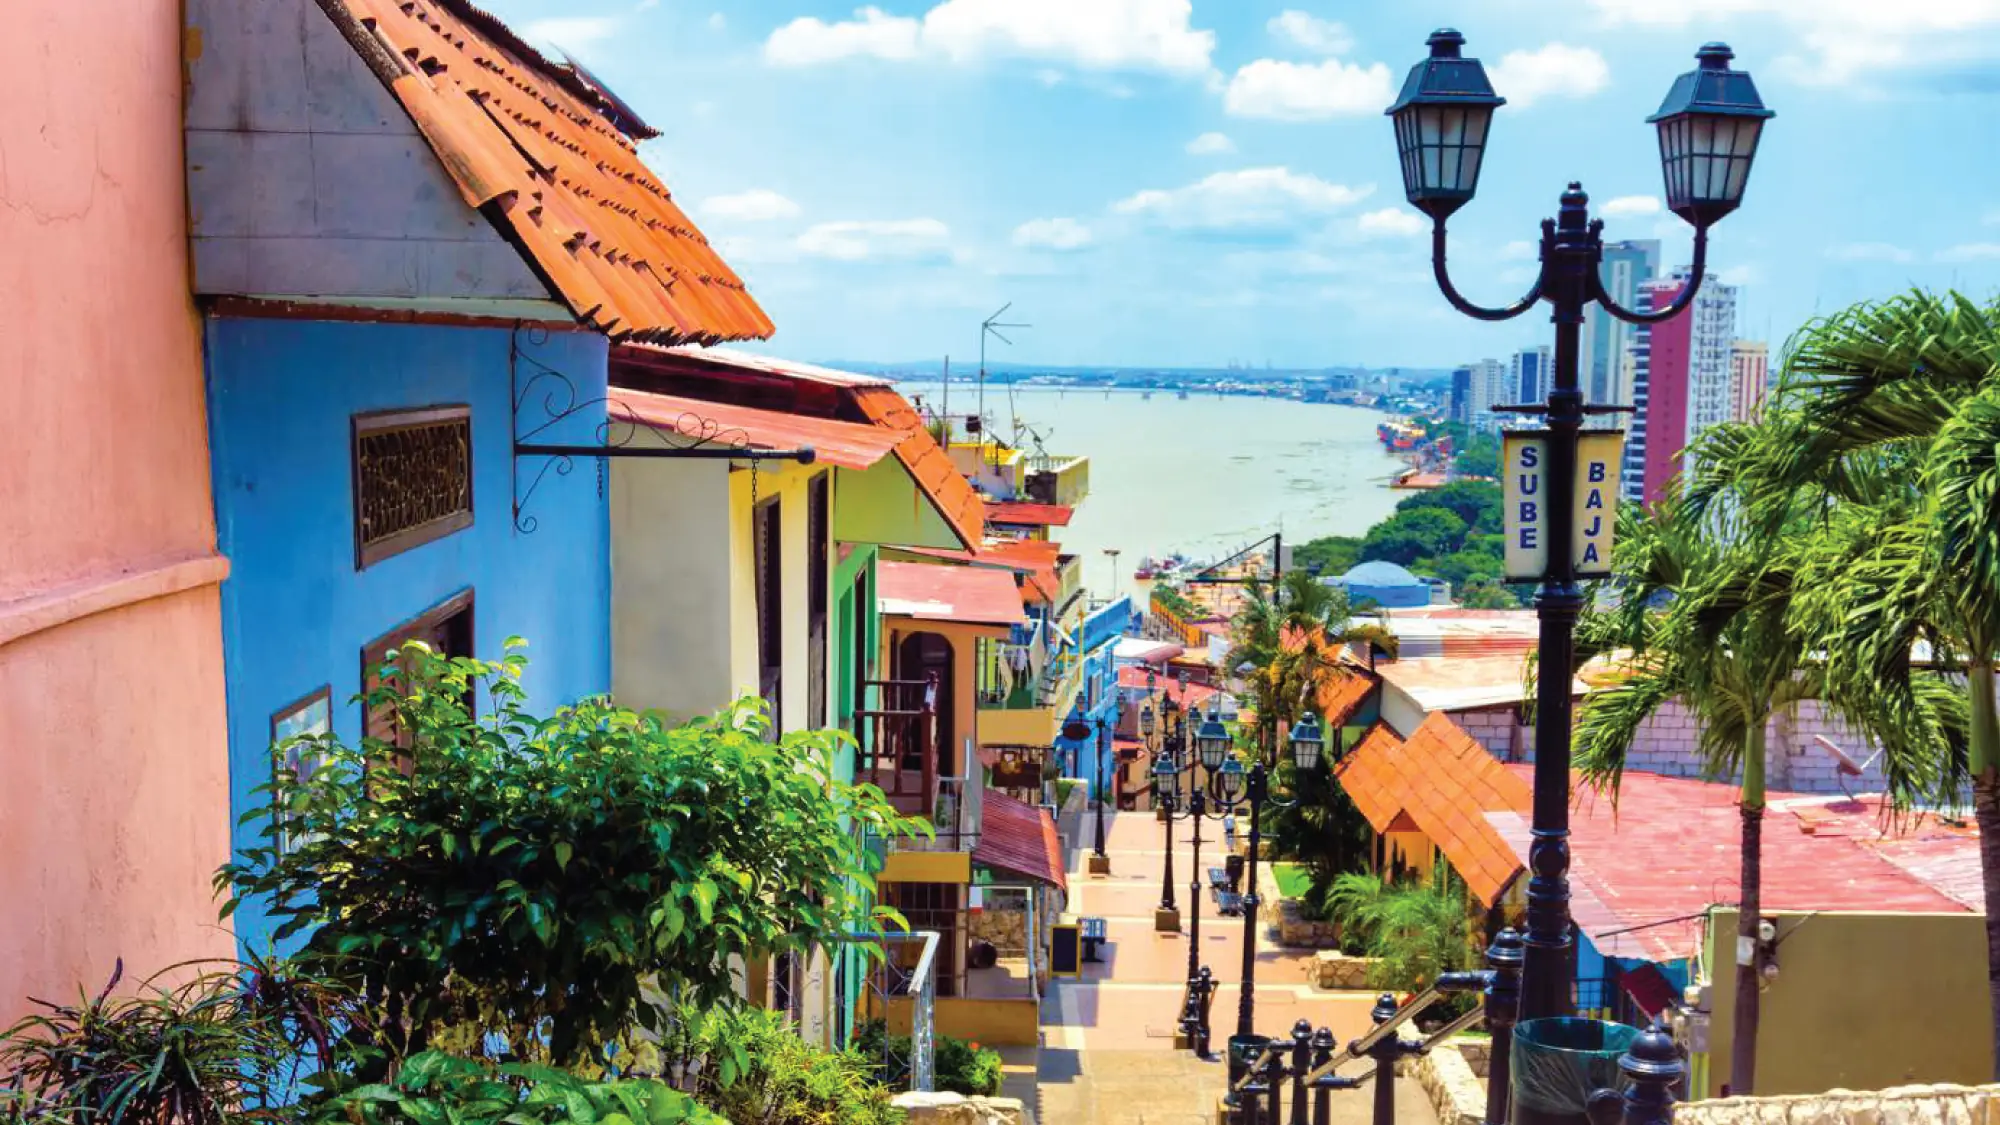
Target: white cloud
<point>807,41</point>
<point>1632,205</point>
<point>758,205</point>
<point>1970,252</point>
<point>1992,218</point>
<point>1554,70</point>
<point>1248,197</point>
<point>1210,144</point>
<point>1310,32</point>
<point>646,5</point>
<point>575,34</point>
<point>1389,222</point>
<point>860,240</point>
<point>1520,250</point>
<point>1289,91</point>
<point>1842,40</point>
<point>1052,234</point>
<point>1094,35</point>
<point>1869,252</point>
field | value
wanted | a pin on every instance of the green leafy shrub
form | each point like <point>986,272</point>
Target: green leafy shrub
<point>498,873</point>
<point>751,1066</point>
<point>435,1088</point>
<point>1417,929</point>
<point>963,1066</point>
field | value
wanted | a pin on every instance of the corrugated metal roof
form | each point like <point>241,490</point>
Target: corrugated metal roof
<point>1030,515</point>
<point>772,365</point>
<point>967,594</point>
<point>1671,849</point>
<point>939,479</point>
<point>527,143</point>
<point>1446,783</point>
<point>1018,837</point>
<point>1197,695</point>
<point>848,445</point>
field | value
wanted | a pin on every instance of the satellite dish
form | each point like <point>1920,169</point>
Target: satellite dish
<point>1844,765</point>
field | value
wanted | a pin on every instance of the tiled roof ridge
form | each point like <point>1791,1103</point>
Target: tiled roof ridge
<point>569,75</point>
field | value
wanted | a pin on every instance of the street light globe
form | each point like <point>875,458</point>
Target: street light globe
<point>1164,775</point>
<point>1146,719</point>
<point>1709,126</point>
<point>1230,779</point>
<point>1441,123</point>
<point>1306,743</point>
<point>1212,740</point>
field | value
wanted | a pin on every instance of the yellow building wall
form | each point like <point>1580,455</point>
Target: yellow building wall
<point>1861,1002</point>
<point>1027,726</point>
<point>1414,851</point>
<point>1013,1022</point>
<point>684,592</point>
<point>926,867</point>
<point>964,665</point>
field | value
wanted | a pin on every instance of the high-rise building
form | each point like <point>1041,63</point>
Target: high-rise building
<point>1529,381</point>
<point>1749,376</point>
<point>1485,388</point>
<point>1458,407</point>
<point>1682,376</point>
<point>1604,349</point>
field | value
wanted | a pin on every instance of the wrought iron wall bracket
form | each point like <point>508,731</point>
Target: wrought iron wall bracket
<point>687,436</point>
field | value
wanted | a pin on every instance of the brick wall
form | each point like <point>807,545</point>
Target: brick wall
<point>1666,745</point>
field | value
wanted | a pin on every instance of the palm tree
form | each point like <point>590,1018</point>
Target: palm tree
<point>1292,642</point>
<point>1888,431</point>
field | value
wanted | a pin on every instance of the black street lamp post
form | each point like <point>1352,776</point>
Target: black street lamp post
<point>1169,750</point>
<point>1709,126</point>
<point>1079,730</point>
<point>1234,788</point>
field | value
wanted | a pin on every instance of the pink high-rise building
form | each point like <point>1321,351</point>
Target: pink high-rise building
<point>1681,382</point>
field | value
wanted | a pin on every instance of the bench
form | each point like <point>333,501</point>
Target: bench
<point>1218,878</point>
<point>1092,932</point>
<point>1229,903</point>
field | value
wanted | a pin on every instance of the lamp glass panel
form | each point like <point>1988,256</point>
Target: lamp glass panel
<point>1432,174</point>
<point>1230,778</point>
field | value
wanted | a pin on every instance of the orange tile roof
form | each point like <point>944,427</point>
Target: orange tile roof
<point>848,445</point>
<point>1341,692</point>
<point>1026,514</point>
<point>966,594</point>
<point>534,146</point>
<point>1446,783</point>
<point>936,476</point>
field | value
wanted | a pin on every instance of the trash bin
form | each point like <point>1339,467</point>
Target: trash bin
<point>1232,865</point>
<point>1560,1063</point>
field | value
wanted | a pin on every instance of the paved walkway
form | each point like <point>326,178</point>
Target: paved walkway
<point>1107,1054</point>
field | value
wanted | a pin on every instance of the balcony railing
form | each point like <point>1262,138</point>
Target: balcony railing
<point>900,742</point>
<point>1054,479</point>
<point>955,816</point>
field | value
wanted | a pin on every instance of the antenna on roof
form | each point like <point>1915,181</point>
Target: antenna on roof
<point>991,326</point>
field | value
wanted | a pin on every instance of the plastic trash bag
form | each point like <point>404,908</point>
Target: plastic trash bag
<point>1559,1063</point>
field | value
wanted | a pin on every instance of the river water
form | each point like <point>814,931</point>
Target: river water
<point>1205,476</point>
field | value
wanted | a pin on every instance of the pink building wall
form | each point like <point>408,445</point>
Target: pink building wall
<point>114,806</point>
<point>1667,394</point>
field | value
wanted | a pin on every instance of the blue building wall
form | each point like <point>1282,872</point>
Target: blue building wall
<point>296,612</point>
<point>1097,638</point>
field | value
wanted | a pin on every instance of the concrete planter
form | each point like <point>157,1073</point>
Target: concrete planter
<point>957,1109</point>
<point>1336,972</point>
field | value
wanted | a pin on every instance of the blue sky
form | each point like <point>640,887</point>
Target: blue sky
<point>1160,182</point>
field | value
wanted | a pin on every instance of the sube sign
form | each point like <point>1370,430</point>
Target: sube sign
<point>1525,487</point>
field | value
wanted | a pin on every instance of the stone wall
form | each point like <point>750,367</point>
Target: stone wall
<point>1006,929</point>
<point>1667,745</point>
<point>1295,929</point>
<point>1334,970</point>
<point>1457,1091</point>
<point>1902,1105</point>
<point>957,1109</point>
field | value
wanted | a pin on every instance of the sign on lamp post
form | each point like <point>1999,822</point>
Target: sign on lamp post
<point>1525,487</point>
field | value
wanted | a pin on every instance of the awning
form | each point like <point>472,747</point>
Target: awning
<point>1032,558</point>
<point>965,594</point>
<point>848,445</point>
<point>1023,514</point>
<point>1019,838</point>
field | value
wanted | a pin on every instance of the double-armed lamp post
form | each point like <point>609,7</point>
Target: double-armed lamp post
<point>1709,126</point>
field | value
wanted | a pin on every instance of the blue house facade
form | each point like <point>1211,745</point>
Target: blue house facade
<point>412,264</point>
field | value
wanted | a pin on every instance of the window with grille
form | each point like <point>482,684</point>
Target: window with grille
<point>412,479</point>
<point>767,554</point>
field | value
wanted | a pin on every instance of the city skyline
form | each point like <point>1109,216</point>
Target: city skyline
<point>1154,182</point>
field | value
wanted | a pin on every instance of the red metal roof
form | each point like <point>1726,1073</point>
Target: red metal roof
<point>1670,849</point>
<point>534,147</point>
<point>1035,515</point>
<point>1018,837</point>
<point>1031,558</point>
<point>967,594</point>
<point>1197,694</point>
<point>1446,783</point>
<point>939,479</point>
<point>846,444</point>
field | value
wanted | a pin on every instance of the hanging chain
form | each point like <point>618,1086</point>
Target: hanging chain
<point>753,483</point>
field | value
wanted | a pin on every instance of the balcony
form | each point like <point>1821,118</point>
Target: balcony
<point>899,742</point>
<point>1055,479</point>
<point>1069,583</point>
